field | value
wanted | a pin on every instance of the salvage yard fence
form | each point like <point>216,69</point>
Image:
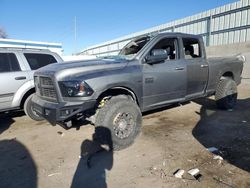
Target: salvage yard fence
<point>224,25</point>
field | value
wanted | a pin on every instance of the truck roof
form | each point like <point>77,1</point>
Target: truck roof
<point>174,34</point>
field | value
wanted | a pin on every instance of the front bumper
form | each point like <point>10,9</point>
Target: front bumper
<point>60,112</point>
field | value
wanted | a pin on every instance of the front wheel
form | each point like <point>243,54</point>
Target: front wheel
<point>28,109</point>
<point>226,94</point>
<point>122,117</point>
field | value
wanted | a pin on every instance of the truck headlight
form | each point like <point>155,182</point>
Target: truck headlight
<point>75,89</point>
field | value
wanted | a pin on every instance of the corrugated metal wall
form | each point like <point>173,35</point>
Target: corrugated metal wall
<point>220,26</point>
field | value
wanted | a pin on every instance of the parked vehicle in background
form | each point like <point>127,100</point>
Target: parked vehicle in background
<point>17,67</point>
<point>68,58</point>
<point>149,73</point>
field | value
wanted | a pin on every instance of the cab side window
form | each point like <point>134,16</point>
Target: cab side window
<point>37,61</point>
<point>168,46</point>
<point>8,63</point>
<point>192,48</point>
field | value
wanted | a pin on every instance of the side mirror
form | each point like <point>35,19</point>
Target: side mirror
<point>157,55</point>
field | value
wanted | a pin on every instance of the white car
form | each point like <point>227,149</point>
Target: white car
<point>17,67</point>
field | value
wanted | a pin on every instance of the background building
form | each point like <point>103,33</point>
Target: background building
<point>54,47</point>
<point>225,25</point>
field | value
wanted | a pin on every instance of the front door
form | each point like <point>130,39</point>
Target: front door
<point>164,82</point>
<point>11,79</point>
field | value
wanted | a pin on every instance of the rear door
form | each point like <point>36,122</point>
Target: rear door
<point>197,66</point>
<point>36,60</point>
<point>12,77</point>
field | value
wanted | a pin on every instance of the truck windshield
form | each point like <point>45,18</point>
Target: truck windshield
<point>131,49</point>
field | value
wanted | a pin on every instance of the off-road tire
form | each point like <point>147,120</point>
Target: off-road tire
<point>29,111</point>
<point>226,94</point>
<point>107,116</point>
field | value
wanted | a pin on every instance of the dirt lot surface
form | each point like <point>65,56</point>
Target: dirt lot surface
<point>35,154</point>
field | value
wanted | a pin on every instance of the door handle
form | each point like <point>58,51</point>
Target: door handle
<point>20,78</point>
<point>204,66</point>
<point>179,68</point>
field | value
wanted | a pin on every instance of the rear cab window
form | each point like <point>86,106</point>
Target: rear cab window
<point>192,48</point>
<point>37,61</point>
<point>9,63</point>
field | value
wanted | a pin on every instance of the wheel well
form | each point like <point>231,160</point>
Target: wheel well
<point>27,94</point>
<point>228,74</point>
<point>118,91</point>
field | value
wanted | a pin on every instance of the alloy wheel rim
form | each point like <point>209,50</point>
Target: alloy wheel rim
<point>124,124</point>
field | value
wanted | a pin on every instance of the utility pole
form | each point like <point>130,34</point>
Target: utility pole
<point>75,42</point>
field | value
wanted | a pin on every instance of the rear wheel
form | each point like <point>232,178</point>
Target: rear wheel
<point>122,117</point>
<point>226,94</point>
<point>28,109</point>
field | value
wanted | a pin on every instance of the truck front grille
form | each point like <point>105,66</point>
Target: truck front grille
<point>49,93</point>
<point>46,88</point>
<point>46,81</point>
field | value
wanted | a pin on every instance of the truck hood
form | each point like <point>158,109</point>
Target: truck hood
<point>63,70</point>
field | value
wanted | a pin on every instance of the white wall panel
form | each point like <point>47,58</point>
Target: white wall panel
<point>208,13</point>
<point>184,29</point>
<point>96,50</point>
<point>239,4</point>
<point>212,22</point>
<point>221,22</point>
<point>236,36</point>
<point>203,14</point>
<point>227,21</point>
<point>244,3</point>
<point>212,11</point>
<point>225,38</point>
<point>244,18</point>
<point>195,28</point>
<point>212,40</point>
<point>248,35</point>
<point>217,10</point>
<point>243,35</point>
<point>204,27</point>
<point>103,49</point>
<point>248,16</point>
<point>216,40</point>
<point>223,8</point>
<point>233,5</point>
<point>231,37</point>
<point>216,24</point>
<point>232,20</point>
<point>237,19</point>
<point>228,7</point>
<point>200,28</point>
<point>113,47</point>
<point>220,39</point>
<point>122,44</point>
<point>178,29</point>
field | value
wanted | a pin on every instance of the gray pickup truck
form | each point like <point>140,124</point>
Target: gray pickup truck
<point>17,67</point>
<point>150,72</point>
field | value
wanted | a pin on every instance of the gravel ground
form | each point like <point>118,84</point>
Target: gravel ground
<point>35,154</point>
